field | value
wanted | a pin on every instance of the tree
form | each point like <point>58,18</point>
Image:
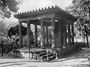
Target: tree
<point>15,31</point>
<point>7,7</point>
<point>2,28</point>
<point>81,9</point>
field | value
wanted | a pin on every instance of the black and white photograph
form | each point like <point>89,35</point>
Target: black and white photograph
<point>44,33</point>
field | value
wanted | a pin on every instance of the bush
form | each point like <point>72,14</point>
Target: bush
<point>81,44</point>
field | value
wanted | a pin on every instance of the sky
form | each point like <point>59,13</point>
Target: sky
<point>28,5</point>
<point>36,4</point>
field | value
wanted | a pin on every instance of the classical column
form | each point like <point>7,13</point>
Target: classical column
<point>61,33</point>
<point>72,33</point>
<point>35,35</point>
<point>53,33</point>
<point>20,34</point>
<point>69,34</point>
<point>47,34</point>
<point>28,37</point>
<point>42,33</point>
<point>65,36</point>
<point>28,34</point>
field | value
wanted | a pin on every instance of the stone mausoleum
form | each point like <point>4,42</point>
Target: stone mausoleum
<point>62,24</point>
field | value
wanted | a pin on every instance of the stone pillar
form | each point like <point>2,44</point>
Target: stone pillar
<point>20,34</point>
<point>47,34</point>
<point>53,33</point>
<point>28,37</point>
<point>69,34</point>
<point>58,35</point>
<point>65,36</point>
<point>62,32</point>
<point>72,33</point>
<point>35,35</point>
<point>42,32</point>
<point>28,34</point>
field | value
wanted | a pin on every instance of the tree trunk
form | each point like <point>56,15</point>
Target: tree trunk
<point>87,40</point>
<point>84,39</point>
<point>2,51</point>
<point>1,46</point>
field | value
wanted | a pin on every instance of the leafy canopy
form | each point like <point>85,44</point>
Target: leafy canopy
<point>8,6</point>
<point>81,9</point>
<point>14,30</point>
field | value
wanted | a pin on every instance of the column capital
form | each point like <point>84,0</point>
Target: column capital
<point>52,19</point>
<point>28,22</point>
<point>20,21</point>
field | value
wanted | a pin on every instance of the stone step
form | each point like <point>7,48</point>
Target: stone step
<point>48,57</point>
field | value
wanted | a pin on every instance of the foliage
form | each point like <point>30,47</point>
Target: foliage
<point>81,9</point>
<point>7,7</point>
<point>2,29</point>
<point>15,31</point>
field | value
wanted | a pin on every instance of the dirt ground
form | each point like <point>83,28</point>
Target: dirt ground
<point>79,59</point>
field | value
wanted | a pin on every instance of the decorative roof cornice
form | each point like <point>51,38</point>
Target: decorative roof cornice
<point>41,11</point>
<point>35,12</point>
